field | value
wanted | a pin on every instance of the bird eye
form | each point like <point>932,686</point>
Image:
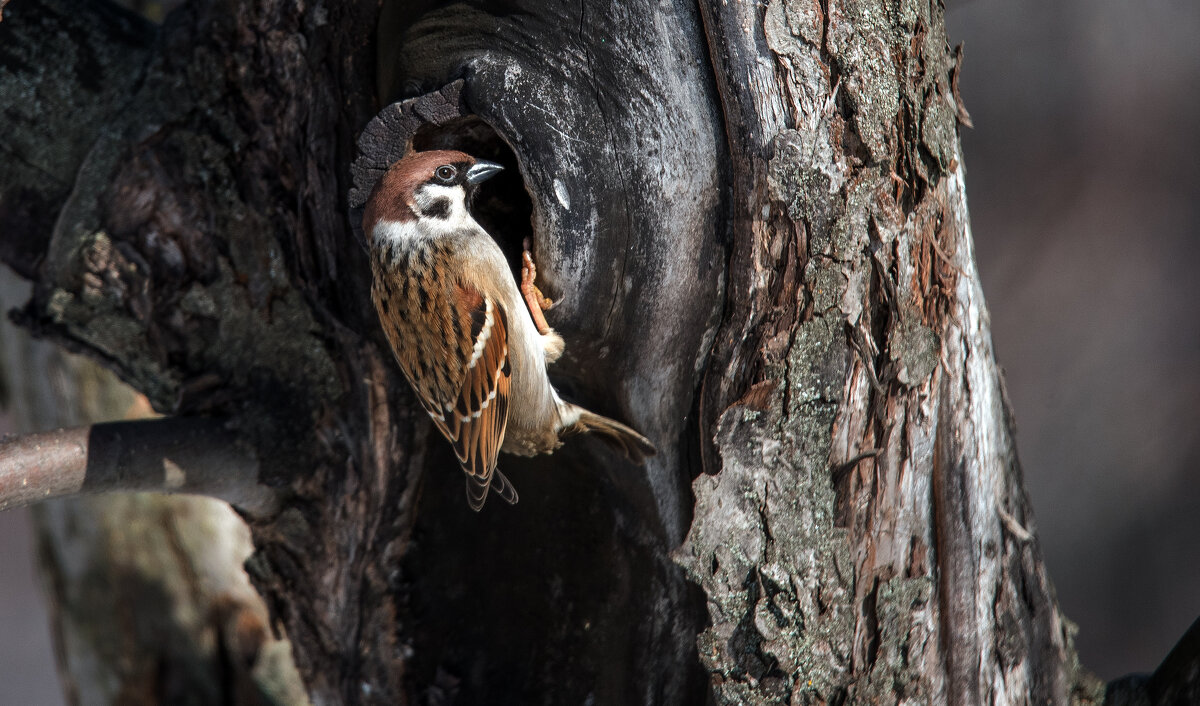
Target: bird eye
<point>446,173</point>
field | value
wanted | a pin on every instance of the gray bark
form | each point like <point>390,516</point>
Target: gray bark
<point>867,536</point>
<point>756,222</point>
<point>149,602</point>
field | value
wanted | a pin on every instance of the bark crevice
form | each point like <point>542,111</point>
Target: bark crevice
<point>849,541</point>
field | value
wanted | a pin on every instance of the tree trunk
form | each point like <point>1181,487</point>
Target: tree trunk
<point>149,602</point>
<point>756,223</point>
<point>867,536</point>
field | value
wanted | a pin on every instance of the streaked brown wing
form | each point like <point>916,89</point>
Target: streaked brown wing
<point>480,414</point>
<point>475,417</point>
<point>461,377</point>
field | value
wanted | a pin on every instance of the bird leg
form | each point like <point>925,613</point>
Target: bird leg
<point>552,343</point>
<point>534,299</point>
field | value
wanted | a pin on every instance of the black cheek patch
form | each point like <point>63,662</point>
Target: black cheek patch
<point>438,208</point>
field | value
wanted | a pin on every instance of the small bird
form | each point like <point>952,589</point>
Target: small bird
<point>473,345</point>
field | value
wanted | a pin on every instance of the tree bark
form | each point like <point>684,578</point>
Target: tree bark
<point>148,600</point>
<point>755,219</point>
<point>867,536</point>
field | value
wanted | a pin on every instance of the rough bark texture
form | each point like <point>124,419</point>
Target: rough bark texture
<point>860,535</point>
<point>166,261</point>
<point>867,537</point>
<point>65,77</point>
<point>205,253</point>
<point>149,602</point>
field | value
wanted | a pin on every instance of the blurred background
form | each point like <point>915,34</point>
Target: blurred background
<point>1083,178</point>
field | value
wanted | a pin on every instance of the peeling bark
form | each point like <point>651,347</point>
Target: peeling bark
<point>814,337</point>
<point>867,537</point>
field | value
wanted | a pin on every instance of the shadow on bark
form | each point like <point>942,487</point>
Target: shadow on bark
<point>572,593</point>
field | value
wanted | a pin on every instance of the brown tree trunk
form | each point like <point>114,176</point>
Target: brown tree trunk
<point>755,219</point>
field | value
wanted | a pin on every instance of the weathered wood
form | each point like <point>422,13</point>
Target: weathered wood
<point>611,116</point>
<point>148,600</point>
<point>194,456</point>
<point>863,535</point>
<point>199,256</point>
<point>66,70</point>
<point>866,537</point>
<point>608,126</point>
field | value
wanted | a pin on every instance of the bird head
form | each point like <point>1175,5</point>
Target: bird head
<point>431,189</point>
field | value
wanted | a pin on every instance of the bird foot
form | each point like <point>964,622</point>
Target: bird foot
<point>534,299</point>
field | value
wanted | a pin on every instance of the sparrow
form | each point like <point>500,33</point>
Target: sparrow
<point>472,343</point>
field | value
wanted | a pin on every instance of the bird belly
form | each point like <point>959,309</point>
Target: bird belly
<point>533,409</point>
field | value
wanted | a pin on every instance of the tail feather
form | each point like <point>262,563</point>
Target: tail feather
<point>477,489</point>
<point>635,446</point>
<point>502,487</point>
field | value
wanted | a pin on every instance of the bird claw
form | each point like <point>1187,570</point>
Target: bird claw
<point>534,299</point>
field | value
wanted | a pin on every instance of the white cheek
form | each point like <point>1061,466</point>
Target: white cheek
<point>406,233</point>
<point>457,218</point>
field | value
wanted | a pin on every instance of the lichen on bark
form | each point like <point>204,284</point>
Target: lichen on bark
<point>870,415</point>
<point>778,628</point>
<point>141,274</point>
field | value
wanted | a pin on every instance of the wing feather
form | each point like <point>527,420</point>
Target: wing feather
<point>456,360</point>
<point>460,377</point>
<point>478,417</point>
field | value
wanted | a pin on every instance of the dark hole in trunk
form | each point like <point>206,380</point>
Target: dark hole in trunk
<point>571,595</point>
<point>502,205</point>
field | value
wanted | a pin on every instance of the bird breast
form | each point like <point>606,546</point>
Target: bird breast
<point>414,278</point>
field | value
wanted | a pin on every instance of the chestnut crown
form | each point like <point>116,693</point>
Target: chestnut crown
<point>426,185</point>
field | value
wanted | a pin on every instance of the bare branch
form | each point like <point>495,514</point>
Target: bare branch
<point>173,455</point>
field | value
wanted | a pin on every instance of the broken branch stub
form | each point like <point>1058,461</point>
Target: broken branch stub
<point>173,455</point>
<point>390,135</point>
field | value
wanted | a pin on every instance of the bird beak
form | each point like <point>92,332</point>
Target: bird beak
<point>482,171</point>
